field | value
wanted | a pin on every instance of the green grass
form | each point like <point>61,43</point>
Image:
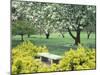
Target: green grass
<point>56,44</point>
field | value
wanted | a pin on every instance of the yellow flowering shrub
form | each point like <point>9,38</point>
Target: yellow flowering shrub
<point>23,58</point>
<point>24,61</point>
<point>80,59</point>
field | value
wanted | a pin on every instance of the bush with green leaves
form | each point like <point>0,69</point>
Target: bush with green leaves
<point>28,48</point>
<point>80,59</point>
<point>24,61</point>
<point>23,58</point>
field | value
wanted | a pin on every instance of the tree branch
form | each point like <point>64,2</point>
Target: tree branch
<point>71,33</point>
<point>74,27</point>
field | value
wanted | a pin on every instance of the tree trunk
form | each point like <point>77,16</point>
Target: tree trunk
<point>28,35</point>
<point>77,39</point>
<point>62,34</point>
<point>40,32</point>
<point>47,35</point>
<point>88,34</point>
<point>22,38</point>
<point>72,66</point>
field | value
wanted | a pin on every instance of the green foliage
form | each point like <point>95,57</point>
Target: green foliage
<point>21,27</point>
<point>24,61</point>
<point>80,59</point>
<point>55,16</point>
<point>56,44</point>
<point>48,68</point>
<point>49,17</point>
<point>23,58</point>
<point>28,48</point>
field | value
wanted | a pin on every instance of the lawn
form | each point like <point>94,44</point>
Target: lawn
<point>56,44</point>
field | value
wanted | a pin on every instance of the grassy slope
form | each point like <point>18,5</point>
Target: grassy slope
<point>56,44</point>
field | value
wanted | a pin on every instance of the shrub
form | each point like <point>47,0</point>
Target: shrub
<point>28,48</point>
<point>80,59</point>
<point>23,58</point>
